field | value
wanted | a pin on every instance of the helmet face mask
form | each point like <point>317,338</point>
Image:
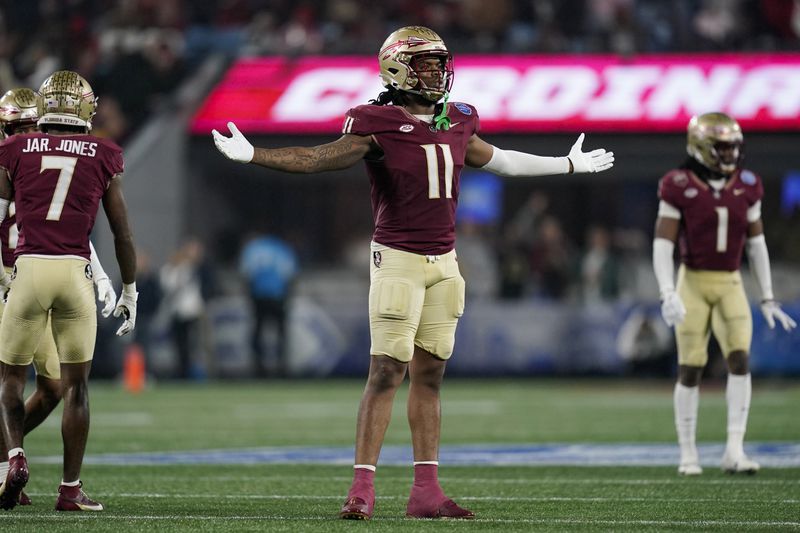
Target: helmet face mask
<point>715,140</point>
<point>407,63</point>
<point>66,99</point>
<point>18,112</point>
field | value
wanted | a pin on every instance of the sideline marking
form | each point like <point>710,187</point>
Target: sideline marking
<point>770,455</point>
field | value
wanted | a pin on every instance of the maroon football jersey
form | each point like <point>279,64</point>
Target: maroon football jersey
<point>8,235</point>
<point>714,225</point>
<point>415,183</point>
<point>58,184</point>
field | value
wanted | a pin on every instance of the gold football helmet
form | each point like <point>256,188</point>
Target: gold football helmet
<point>715,141</point>
<point>66,99</point>
<point>400,66</point>
<point>18,109</point>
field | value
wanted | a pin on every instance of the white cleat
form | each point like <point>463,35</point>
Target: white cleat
<point>739,465</point>
<point>690,469</point>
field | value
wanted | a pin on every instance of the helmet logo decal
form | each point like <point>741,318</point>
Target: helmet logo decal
<point>9,109</point>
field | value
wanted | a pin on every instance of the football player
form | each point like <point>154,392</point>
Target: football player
<point>712,206</point>
<point>414,143</point>
<point>57,179</point>
<point>18,115</point>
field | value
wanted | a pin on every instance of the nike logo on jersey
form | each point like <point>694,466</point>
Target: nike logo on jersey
<point>738,192</point>
<point>454,124</point>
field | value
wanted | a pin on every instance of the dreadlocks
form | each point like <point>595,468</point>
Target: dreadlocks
<point>390,95</point>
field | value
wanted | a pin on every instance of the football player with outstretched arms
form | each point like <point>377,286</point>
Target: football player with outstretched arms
<point>712,206</point>
<point>18,115</point>
<point>414,144</point>
<point>57,180</point>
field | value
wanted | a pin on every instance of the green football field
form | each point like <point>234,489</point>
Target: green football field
<point>525,455</point>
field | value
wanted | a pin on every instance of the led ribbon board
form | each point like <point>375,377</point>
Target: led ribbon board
<point>524,94</point>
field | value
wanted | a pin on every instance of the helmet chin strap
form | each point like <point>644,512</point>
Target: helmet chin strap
<point>442,121</point>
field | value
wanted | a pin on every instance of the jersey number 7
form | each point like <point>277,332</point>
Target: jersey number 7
<point>66,167</point>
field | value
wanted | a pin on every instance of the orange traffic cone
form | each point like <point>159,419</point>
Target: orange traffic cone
<point>133,368</point>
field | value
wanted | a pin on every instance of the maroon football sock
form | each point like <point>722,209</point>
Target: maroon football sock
<point>363,484</point>
<point>426,485</point>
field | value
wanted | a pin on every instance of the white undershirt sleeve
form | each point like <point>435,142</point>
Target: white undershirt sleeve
<point>759,263</point>
<point>667,210</point>
<point>4,208</point>
<point>511,163</point>
<point>663,265</point>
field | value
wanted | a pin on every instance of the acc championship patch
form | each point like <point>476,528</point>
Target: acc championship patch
<point>464,108</point>
<point>377,259</point>
<point>747,177</point>
<point>87,271</point>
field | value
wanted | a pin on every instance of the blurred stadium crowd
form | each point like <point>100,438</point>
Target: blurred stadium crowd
<point>135,52</point>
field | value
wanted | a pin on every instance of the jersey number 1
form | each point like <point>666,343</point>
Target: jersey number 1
<point>722,229</point>
<point>433,170</point>
<point>66,167</point>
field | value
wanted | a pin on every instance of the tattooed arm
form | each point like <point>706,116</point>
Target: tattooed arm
<point>342,153</point>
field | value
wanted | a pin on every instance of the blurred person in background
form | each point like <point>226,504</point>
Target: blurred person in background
<point>269,265</point>
<point>185,282</point>
<point>599,268</point>
<point>414,144</point>
<point>149,286</point>
<point>477,260</point>
<point>713,206</point>
<point>53,273</point>
<point>518,241</point>
<point>552,260</point>
<point>18,115</point>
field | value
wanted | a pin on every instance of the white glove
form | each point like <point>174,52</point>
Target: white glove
<point>5,285</point>
<point>772,311</point>
<point>126,306</point>
<point>236,147</point>
<point>672,308</point>
<point>105,294</point>
<point>594,161</point>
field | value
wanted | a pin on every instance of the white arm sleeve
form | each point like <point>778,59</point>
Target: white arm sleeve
<point>759,264</point>
<point>754,212</point>
<point>4,208</point>
<point>97,269</point>
<point>512,163</point>
<point>3,212</point>
<point>663,264</point>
